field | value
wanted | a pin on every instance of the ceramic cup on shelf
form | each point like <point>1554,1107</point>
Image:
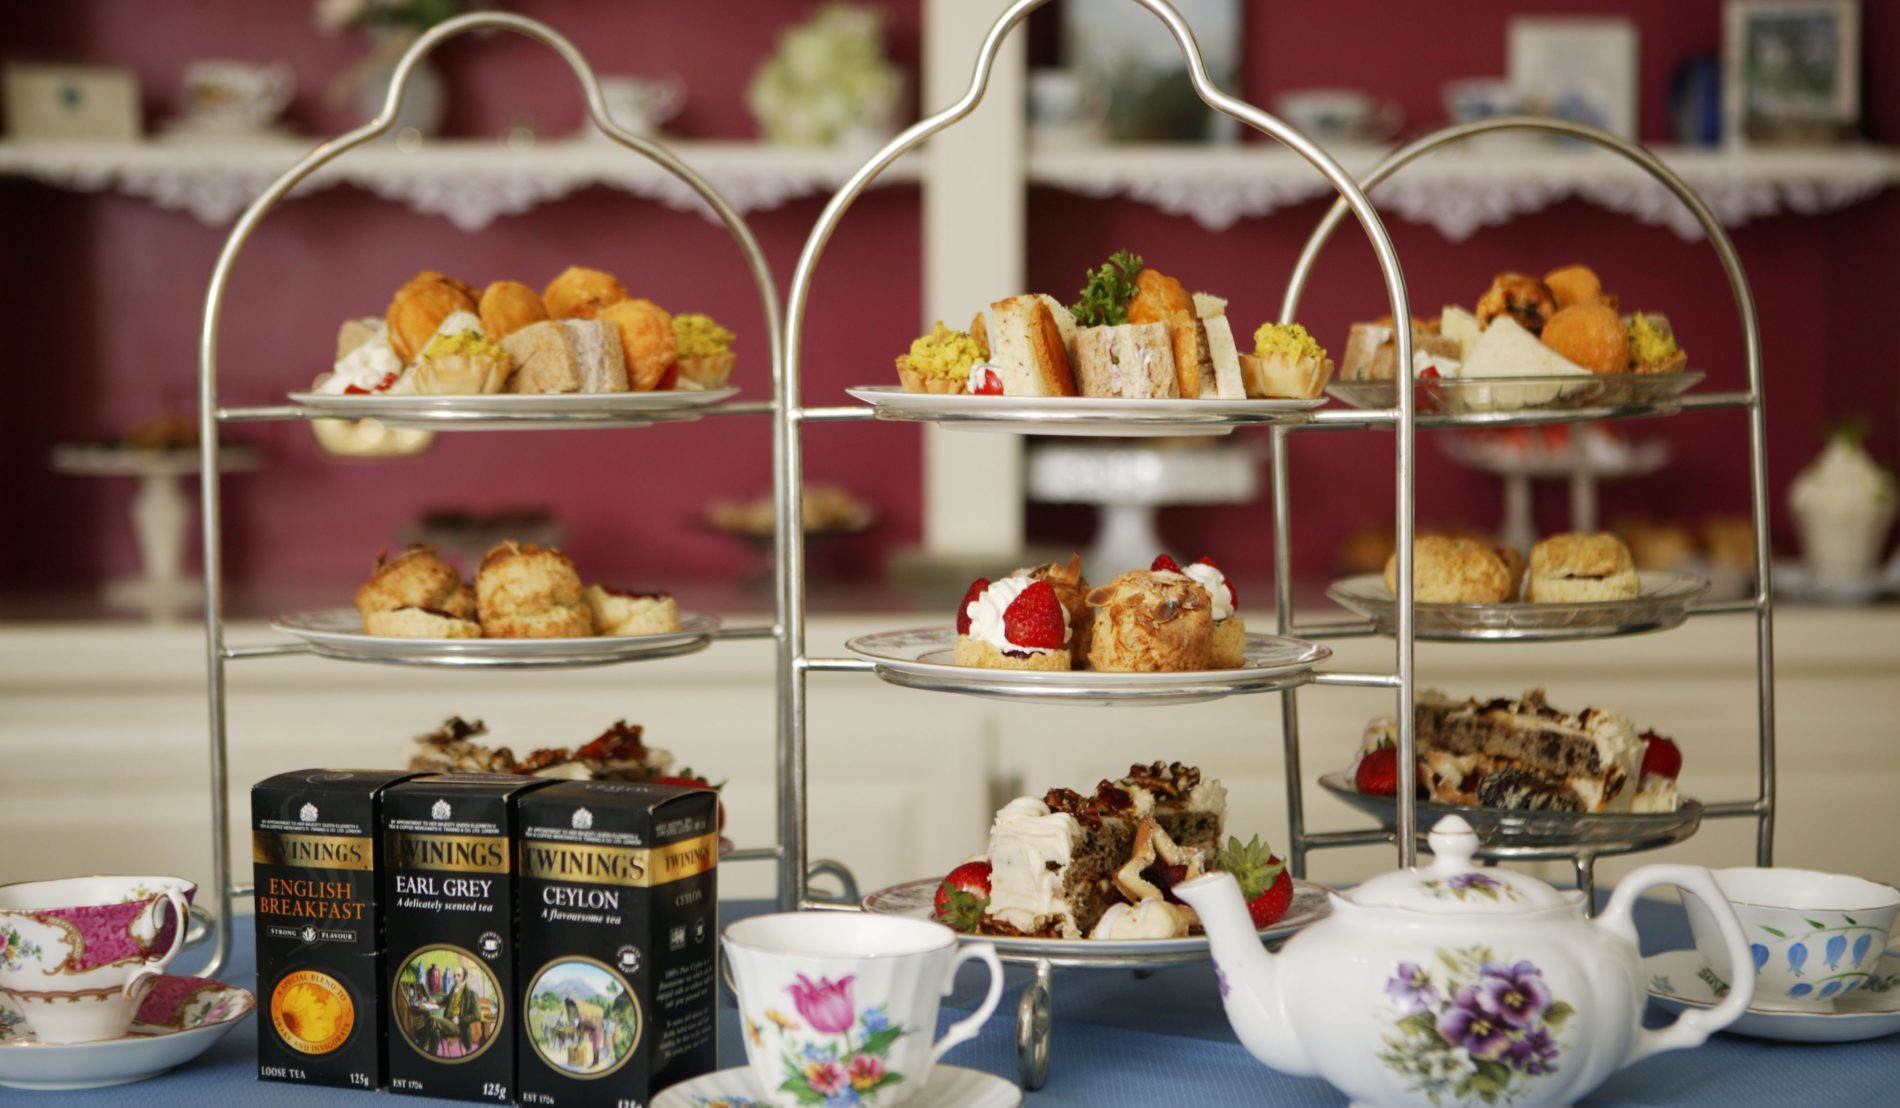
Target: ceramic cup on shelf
<point>1814,937</point>
<point>846,1003</point>
<point>1340,115</point>
<point>79,954</point>
<point>639,104</point>
<point>237,96</point>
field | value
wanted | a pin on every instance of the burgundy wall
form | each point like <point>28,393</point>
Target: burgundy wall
<point>103,292</point>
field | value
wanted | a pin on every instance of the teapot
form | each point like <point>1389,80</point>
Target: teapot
<point>1452,984</point>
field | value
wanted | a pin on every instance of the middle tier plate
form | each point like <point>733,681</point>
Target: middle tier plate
<point>1663,602</point>
<point>516,411</point>
<point>1079,415</point>
<point>921,659</point>
<point>338,633</point>
<point>1506,830</point>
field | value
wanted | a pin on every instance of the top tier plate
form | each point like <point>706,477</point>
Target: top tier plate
<point>1078,415</point>
<point>517,412</point>
<point>1508,401</point>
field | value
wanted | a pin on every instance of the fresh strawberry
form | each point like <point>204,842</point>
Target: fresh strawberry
<point>985,380</point>
<point>1263,878</point>
<point>1430,372</point>
<point>1233,598</point>
<point>977,588</point>
<point>1035,619</point>
<point>1662,756</point>
<point>1378,773</point>
<point>963,896</point>
<point>686,778</point>
<point>1164,564</point>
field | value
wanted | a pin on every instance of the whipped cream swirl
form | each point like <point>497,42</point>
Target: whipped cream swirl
<point>1215,582</point>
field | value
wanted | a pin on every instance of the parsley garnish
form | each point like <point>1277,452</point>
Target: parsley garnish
<point>1105,297</point>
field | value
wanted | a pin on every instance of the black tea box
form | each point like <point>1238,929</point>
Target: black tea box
<point>618,941</point>
<point>314,854</point>
<point>449,930</point>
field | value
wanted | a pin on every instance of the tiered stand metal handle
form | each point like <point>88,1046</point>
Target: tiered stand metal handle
<point>211,415</point>
<point>1762,807</point>
<point>1033,1013</point>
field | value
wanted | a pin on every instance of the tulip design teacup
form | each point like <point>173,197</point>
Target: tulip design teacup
<point>839,1007</point>
<point>1814,937</point>
<point>78,955</point>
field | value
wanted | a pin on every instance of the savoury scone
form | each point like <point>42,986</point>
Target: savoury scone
<point>1072,589</point>
<point>421,623</point>
<point>1574,284</point>
<point>580,293</point>
<point>632,613</point>
<point>1591,335</point>
<point>1148,622</point>
<point>415,578</point>
<point>1449,570</point>
<point>1576,568</point>
<point>523,591</point>
<point>419,307</point>
<point>1524,299</point>
<point>507,307</point>
<point>647,342</point>
<point>1014,623</point>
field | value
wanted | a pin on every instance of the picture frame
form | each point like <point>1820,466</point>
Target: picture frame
<point>1134,69</point>
<point>71,102</point>
<point>1583,69</point>
<point>1790,71</point>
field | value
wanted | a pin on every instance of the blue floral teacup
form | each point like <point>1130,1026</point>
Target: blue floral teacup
<point>839,1007</point>
<point>1815,937</point>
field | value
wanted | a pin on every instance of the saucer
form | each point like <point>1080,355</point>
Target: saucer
<point>1793,580</point>
<point>181,1019</point>
<point>950,1087</point>
<point>1675,982</point>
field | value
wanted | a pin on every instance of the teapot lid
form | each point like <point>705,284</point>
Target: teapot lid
<point>1452,885</point>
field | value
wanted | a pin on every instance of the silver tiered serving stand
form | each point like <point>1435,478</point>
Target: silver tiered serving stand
<point>449,414</point>
<point>1543,839</point>
<point>1033,1028</point>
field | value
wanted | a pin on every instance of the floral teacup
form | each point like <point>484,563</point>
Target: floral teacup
<point>838,1007</point>
<point>78,955</point>
<point>1815,937</point>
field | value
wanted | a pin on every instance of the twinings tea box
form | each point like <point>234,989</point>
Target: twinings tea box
<point>619,941</point>
<point>449,923</point>
<point>319,934</point>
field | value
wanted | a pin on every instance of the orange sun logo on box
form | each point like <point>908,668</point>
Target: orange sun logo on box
<point>312,1012</point>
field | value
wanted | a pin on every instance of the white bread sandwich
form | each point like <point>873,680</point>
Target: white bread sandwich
<point>1222,351</point>
<point>1023,339</point>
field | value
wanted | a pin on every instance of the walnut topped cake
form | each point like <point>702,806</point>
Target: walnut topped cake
<point>616,754</point>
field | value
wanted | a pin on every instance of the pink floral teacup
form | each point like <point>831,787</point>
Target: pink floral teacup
<point>78,954</point>
<point>839,1006</point>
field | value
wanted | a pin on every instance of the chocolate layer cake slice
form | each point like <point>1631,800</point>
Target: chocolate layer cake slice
<point>1525,754</point>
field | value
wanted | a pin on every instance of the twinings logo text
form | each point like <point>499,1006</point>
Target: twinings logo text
<point>313,851</point>
<point>458,853</point>
<point>615,865</point>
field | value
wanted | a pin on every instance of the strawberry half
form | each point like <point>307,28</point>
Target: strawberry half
<point>977,588</point>
<point>686,778</point>
<point>1378,773</point>
<point>1662,756</point>
<point>1233,598</point>
<point>1036,619</point>
<point>963,896</point>
<point>1263,878</point>
<point>1164,564</point>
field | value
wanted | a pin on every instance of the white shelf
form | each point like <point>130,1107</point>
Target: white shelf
<point>1490,181</point>
<point>470,183</point>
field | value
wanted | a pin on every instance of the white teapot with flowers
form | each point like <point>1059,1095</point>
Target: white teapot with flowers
<point>1452,984</point>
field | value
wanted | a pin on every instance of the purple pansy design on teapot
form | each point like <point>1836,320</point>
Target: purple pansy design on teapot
<point>1474,1027</point>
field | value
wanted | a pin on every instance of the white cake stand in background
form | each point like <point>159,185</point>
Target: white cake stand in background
<point>1586,459</point>
<point>161,515</point>
<point>1127,483</point>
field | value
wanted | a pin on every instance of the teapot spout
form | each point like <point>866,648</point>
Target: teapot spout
<point>1250,981</point>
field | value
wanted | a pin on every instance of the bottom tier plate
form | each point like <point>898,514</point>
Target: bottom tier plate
<point>1508,829</point>
<point>916,900</point>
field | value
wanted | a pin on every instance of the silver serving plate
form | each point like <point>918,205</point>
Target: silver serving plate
<point>917,899</point>
<point>1508,401</point>
<point>1508,832</point>
<point>1079,415</point>
<point>516,412</point>
<point>1662,603</point>
<point>338,633</point>
<point>922,659</point>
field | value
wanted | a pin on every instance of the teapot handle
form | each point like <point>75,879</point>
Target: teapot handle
<point>1694,1025</point>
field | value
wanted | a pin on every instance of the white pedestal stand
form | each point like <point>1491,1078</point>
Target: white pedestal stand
<point>1127,483</point>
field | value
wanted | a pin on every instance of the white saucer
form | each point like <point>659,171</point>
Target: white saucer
<point>1676,982</point>
<point>181,1019</point>
<point>950,1087</point>
<point>1793,580</point>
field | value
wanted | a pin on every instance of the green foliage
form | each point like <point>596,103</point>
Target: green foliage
<point>1108,290</point>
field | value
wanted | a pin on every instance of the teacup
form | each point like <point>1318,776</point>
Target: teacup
<point>78,954</point>
<point>837,1003</point>
<point>641,105</point>
<point>1340,115</point>
<point>1815,937</point>
<point>238,95</point>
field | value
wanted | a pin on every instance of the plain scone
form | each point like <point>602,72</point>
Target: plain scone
<point>420,623</point>
<point>1577,568</point>
<point>1151,623</point>
<point>525,592</point>
<point>971,651</point>
<point>619,613</point>
<point>1449,570</point>
<point>415,578</point>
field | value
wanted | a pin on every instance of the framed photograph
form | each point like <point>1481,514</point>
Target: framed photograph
<point>1580,69</point>
<point>1790,71</point>
<point>1132,66</point>
<point>96,103</point>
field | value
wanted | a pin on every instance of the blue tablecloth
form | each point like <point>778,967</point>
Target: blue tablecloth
<point>1159,1040</point>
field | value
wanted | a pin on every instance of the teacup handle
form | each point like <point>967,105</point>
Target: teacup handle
<point>1694,1025</point>
<point>965,1029</point>
<point>155,967</point>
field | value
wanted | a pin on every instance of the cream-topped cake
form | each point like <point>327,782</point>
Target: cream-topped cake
<point>1013,623</point>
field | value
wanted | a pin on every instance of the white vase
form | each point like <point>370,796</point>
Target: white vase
<point>423,101</point>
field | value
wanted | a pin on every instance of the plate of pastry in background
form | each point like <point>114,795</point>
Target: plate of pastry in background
<point>1135,355</point>
<point>526,606</point>
<point>582,350</point>
<point>1164,635</point>
<point>1574,586</point>
<point>1529,345</point>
